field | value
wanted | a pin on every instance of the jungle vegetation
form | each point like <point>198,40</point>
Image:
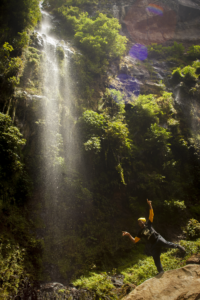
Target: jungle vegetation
<point>130,151</point>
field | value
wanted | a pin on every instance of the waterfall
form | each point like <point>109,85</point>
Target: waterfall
<point>56,137</point>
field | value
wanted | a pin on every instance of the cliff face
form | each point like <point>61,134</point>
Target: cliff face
<point>84,209</point>
<point>178,20</point>
<point>81,188</point>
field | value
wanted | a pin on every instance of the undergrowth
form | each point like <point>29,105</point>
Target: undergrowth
<point>137,273</point>
<point>170,260</point>
<point>20,251</point>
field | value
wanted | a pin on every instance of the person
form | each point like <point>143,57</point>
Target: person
<point>154,238</point>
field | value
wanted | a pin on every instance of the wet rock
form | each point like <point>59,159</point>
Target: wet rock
<point>194,259</point>
<point>54,291</point>
<point>126,84</point>
<point>113,70</point>
<point>37,97</point>
<point>139,73</point>
<point>37,41</point>
<point>131,67</point>
<point>152,88</point>
<point>118,280</point>
<point>51,287</point>
<point>180,21</point>
<point>116,11</point>
<point>124,69</point>
<point>18,94</point>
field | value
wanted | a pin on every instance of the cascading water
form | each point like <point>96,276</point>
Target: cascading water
<point>56,140</point>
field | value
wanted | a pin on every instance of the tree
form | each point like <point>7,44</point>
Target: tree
<point>14,180</point>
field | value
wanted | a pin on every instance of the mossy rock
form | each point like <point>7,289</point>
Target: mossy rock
<point>176,76</point>
<point>124,290</point>
<point>60,53</point>
<point>152,88</point>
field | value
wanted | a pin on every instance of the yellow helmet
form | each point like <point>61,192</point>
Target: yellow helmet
<point>142,219</point>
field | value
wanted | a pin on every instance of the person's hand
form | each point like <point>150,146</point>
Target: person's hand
<point>124,233</point>
<point>149,202</point>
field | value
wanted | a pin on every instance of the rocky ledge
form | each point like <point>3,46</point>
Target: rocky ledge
<point>57,291</point>
<point>179,284</point>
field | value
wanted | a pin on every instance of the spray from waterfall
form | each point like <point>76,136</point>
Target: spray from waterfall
<point>56,136</point>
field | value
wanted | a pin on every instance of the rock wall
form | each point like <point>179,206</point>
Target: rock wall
<point>177,20</point>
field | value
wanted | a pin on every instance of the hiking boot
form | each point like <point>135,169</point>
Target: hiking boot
<point>160,273</point>
<point>181,248</point>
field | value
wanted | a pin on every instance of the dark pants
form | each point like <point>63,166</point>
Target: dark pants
<point>156,251</point>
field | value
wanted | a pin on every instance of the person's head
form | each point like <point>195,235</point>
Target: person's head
<point>141,222</point>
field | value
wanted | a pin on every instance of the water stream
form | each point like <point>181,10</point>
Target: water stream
<point>56,141</point>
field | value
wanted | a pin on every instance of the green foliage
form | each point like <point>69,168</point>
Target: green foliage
<point>196,65</point>
<point>159,136</point>
<point>145,269</point>
<point>93,144</point>
<point>192,229</point>
<point>17,16</point>
<point>11,268</point>
<point>187,74</point>
<point>10,68</point>
<point>108,131</point>
<point>194,52</point>
<point>10,143</point>
<point>22,40</point>
<point>98,37</point>
<point>20,252</point>
<point>71,16</point>
<point>159,51</point>
<point>14,181</point>
<point>177,76</point>
<point>94,122</point>
<point>147,111</point>
<point>175,204</point>
<point>195,210</point>
<point>140,269</point>
<point>7,49</point>
<point>33,56</point>
<point>100,283</point>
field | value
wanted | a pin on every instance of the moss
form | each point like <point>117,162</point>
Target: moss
<point>177,76</point>
<point>194,52</point>
<point>100,283</point>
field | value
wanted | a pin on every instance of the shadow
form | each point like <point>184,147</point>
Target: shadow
<point>159,275</point>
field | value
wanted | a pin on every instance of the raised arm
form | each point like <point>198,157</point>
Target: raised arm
<point>151,213</point>
<point>134,240</point>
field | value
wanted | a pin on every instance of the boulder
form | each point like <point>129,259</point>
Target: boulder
<point>179,284</point>
<point>194,259</point>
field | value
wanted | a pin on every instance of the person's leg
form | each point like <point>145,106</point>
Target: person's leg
<point>156,256</point>
<point>166,244</point>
